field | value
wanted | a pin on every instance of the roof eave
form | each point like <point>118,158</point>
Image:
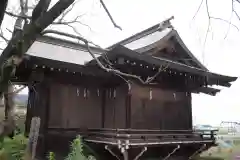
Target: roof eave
<point>207,90</point>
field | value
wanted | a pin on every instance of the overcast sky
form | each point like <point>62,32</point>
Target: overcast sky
<point>219,54</point>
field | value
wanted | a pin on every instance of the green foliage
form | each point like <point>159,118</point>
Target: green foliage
<point>13,149</point>
<point>20,118</point>
<point>51,156</point>
<point>76,151</point>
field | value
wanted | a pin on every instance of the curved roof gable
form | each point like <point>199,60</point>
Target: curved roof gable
<point>157,38</point>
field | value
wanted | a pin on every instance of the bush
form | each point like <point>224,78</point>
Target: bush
<point>76,151</point>
<point>13,149</point>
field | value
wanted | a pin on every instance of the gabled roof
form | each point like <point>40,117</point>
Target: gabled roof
<point>173,67</point>
<point>55,48</point>
<point>54,52</point>
<point>155,37</point>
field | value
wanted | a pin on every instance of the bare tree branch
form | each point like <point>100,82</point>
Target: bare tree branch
<point>64,14</point>
<point>109,15</point>
<point>238,1</point>
<point>209,20</point>
<point>225,21</point>
<point>200,5</point>
<point>73,28</point>
<point>9,30</point>
<point>118,72</point>
<point>208,29</point>
<point>22,5</point>
<point>234,11</point>
<point>236,14</point>
<point>17,16</point>
<point>40,9</point>
<point>229,24</point>
<point>20,22</point>
<point>70,22</point>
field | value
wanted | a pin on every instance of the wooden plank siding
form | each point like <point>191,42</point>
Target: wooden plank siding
<point>115,111</point>
<point>77,106</point>
<point>74,106</point>
<point>160,109</point>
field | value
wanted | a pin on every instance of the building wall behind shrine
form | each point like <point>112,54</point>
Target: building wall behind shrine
<point>154,108</point>
<point>74,106</point>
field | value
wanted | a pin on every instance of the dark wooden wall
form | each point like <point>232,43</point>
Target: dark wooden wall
<point>99,108</point>
<point>115,110</point>
<point>66,105</point>
<point>74,106</point>
<point>154,108</point>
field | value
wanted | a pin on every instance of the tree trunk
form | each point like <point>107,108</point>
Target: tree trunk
<point>7,126</point>
<point>3,6</point>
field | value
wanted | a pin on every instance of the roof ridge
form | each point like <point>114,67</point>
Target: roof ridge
<point>157,27</point>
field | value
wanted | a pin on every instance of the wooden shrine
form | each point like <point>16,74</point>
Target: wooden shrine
<point>118,116</point>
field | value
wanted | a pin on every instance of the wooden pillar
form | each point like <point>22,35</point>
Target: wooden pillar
<point>38,107</point>
<point>128,109</point>
<point>125,155</point>
<point>30,109</point>
<point>143,108</point>
<point>47,113</point>
<point>190,110</point>
<point>103,106</point>
<point>41,110</point>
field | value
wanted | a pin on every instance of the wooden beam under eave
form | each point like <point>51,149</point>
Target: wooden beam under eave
<point>207,90</point>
